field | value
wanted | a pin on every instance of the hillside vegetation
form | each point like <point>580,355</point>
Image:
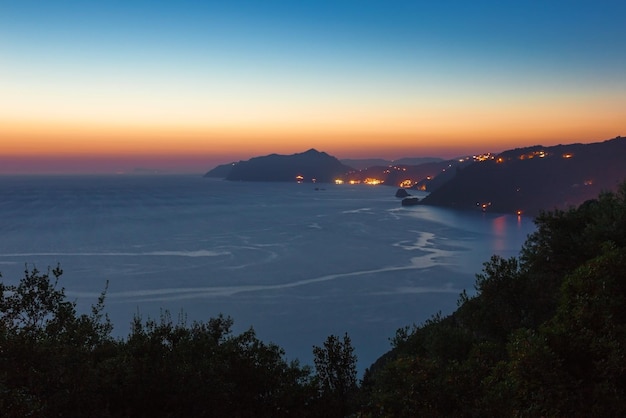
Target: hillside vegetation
<point>544,334</point>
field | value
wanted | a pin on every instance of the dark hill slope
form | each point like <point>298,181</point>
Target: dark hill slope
<point>221,171</point>
<point>420,175</point>
<point>543,335</point>
<point>361,164</point>
<point>536,178</point>
<point>311,165</point>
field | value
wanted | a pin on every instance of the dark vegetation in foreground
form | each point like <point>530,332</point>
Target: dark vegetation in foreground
<point>544,335</point>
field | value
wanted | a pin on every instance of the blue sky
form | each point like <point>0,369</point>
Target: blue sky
<point>344,76</point>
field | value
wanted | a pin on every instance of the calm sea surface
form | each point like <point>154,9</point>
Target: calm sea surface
<point>295,263</point>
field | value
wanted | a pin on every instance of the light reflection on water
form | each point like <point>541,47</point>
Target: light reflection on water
<point>482,234</point>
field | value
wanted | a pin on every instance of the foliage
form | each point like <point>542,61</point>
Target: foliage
<point>46,349</point>
<point>544,335</point>
<point>55,362</point>
<point>335,363</point>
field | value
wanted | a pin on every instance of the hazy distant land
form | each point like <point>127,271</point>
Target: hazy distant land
<point>522,180</point>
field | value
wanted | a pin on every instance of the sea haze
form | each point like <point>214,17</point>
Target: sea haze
<point>297,262</point>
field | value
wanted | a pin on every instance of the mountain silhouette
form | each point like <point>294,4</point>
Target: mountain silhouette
<point>527,179</point>
<point>309,166</point>
<point>535,178</point>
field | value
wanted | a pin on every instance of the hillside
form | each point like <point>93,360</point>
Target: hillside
<point>401,175</point>
<point>322,167</point>
<point>221,171</point>
<point>535,178</point>
<point>309,166</point>
<point>525,180</point>
<point>363,163</point>
<point>543,334</point>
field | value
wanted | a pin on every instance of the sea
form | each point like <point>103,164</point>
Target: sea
<point>296,262</point>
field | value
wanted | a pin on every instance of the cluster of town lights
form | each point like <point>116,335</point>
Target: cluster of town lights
<point>368,180</point>
<point>531,155</point>
<point>483,157</point>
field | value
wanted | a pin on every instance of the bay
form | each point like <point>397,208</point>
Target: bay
<point>297,262</point>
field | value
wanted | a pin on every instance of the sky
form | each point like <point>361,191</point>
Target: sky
<point>182,86</point>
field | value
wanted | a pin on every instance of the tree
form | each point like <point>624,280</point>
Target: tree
<point>55,362</point>
<point>171,368</point>
<point>545,334</point>
<point>47,351</point>
<point>589,333</point>
<point>335,365</point>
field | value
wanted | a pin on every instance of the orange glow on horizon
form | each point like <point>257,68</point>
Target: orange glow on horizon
<point>28,141</point>
<point>32,138</point>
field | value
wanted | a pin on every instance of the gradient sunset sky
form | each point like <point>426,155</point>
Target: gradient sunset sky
<point>181,86</point>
